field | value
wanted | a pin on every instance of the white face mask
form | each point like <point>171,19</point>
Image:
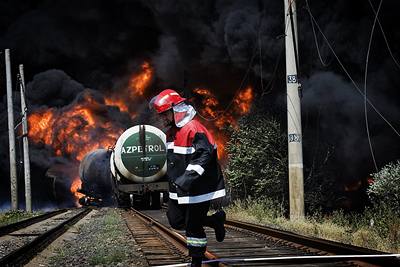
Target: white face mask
<point>183,113</point>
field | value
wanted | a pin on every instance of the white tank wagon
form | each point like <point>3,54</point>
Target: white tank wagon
<point>137,166</point>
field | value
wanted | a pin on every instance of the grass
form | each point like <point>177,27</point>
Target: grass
<point>111,231</point>
<point>100,242</point>
<point>377,228</point>
<point>14,216</point>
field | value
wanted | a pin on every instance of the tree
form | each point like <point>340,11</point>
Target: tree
<point>258,167</point>
<point>258,159</point>
<point>385,187</point>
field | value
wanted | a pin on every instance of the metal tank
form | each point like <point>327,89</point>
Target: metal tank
<point>97,183</point>
<point>140,154</point>
<point>134,171</point>
<point>139,165</point>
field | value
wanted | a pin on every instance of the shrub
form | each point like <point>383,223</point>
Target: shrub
<point>386,186</point>
<point>257,165</point>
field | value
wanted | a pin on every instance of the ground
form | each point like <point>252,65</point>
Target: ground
<point>100,239</point>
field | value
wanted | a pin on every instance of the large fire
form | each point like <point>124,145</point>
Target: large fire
<point>74,130</point>
<point>85,125</point>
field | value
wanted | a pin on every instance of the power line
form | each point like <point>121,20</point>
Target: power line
<point>316,41</point>
<point>236,92</point>
<point>347,73</point>
<point>246,73</point>
<point>365,87</point>
<point>241,83</point>
<point>384,37</point>
<point>272,79</point>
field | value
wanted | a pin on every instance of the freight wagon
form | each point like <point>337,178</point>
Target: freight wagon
<point>130,174</point>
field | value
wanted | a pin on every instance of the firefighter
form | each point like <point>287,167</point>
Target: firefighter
<point>195,177</point>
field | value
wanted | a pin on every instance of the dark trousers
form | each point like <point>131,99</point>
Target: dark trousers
<point>192,218</point>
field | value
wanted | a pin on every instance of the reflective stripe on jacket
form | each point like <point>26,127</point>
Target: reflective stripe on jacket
<point>193,170</point>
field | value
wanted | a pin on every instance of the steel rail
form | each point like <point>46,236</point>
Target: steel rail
<point>177,239</point>
<point>319,244</point>
<point>25,223</point>
<point>26,252</point>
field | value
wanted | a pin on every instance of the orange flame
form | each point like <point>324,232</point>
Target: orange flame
<point>76,184</point>
<point>140,82</point>
<point>39,123</point>
<point>79,128</point>
<point>243,101</point>
<point>219,118</point>
<point>73,132</point>
<point>116,102</point>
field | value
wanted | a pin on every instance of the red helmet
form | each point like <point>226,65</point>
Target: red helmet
<point>166,100</point>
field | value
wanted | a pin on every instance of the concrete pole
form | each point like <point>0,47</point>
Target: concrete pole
<point>295,151</point>
<point>11,134</point>
<point>27,169</point>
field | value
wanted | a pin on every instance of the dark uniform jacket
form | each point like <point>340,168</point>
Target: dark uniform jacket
<point>193,170</point>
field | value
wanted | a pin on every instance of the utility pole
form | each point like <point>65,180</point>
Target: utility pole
<point>11,134</point>
<point>27,170</point>
<point>295,150</point>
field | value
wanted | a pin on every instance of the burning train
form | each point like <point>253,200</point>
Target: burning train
<point>84,132</point>
<point>131,174</point>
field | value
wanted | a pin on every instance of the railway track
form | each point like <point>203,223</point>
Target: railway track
<point>159,245</point>
<point>19,242</point>
<point>252,245</point>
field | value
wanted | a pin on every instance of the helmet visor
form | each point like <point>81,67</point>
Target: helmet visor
<point>183,113</point>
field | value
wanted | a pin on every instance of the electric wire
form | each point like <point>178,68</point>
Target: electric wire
<point>272,79</point>
<point>234,96</point>
<point>269,86</point>
<point>348,74</point>
<point>294,38</point>
<point>365,87</point>
<point>244,77</point>
<point>14,96</point>
<point>295,125</point>
<point>316,42</point>
<point>384,37</point>
<point>296,56</point>
<point>22,87</point>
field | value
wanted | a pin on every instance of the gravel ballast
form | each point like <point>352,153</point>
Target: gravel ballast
<point>104,240</point>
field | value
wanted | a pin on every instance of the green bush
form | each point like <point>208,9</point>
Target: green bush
<point>386,186</point>
<point>257,154</point>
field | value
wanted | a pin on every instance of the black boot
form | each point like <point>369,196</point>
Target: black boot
<point>219,221</point>
<point>196,262</point>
